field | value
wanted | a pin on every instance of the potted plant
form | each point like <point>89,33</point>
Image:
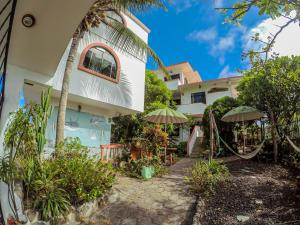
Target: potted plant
<point>147,169</point>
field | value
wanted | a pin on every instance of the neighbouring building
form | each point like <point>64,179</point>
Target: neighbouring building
<point>192,94</point>
<point>106,81</point>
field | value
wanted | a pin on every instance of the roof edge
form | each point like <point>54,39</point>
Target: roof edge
<point>135,19</point>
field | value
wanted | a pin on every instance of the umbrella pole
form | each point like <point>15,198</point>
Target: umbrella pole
<point>244,137</point>
<point>165,146</point>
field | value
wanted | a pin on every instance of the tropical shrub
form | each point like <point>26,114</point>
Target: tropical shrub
<point>134,167</point>
<point>181,148</point>
<point>49,199</point>
<point>157,96</point>
<point>156,139</point>
<point>84,177</point>
<point>204,177</point>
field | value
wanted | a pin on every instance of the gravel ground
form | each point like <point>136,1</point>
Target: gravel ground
<point>265,193</point>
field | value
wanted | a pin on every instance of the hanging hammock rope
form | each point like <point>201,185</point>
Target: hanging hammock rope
<point>297,149</point>
<point>244,156</point>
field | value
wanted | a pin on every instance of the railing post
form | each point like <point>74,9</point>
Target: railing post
<point>102,152</point>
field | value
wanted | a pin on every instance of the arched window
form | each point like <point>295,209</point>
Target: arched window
<point>100,60</point>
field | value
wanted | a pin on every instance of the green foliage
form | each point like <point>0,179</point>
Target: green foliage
<point>48,198</point>
<point>134,167</point>
<point>274,9</point>
<point>274,87</point>
<point>157,96</point>
<point>289,9</point>
<point>27,127</point>
<point>220,107</point>
<point>40,118</point>
<point>24,139</point>
<point>204,176</point>
<point>155,138</point>
<point>181,148</point>
<point>84,177</point>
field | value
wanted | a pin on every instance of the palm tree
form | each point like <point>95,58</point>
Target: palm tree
<point>120,36</point>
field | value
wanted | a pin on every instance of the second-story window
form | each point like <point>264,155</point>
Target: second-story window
<point>175,76</point>
<point>101,61</point>
<point>198,97</point>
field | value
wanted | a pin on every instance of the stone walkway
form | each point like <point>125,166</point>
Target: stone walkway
<point>159,201</point>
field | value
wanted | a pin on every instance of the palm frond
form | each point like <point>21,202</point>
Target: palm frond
<point>126,40</point>
<point>137,5</point>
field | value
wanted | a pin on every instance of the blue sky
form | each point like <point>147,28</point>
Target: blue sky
<point>192,30</point>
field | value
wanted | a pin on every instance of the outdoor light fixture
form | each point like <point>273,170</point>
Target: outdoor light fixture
<point>28,20</point>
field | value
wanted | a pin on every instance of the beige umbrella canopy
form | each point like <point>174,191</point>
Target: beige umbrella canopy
<point>242,113</point>
<point>166,116</point>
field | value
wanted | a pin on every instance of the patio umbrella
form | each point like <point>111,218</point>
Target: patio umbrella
<point>241,114</point>
<point>166,116</point>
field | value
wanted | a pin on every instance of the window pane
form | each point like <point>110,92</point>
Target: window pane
<point>198,97</point>
<point>87,59</point>
<point>101,61</point>
<point>175,76</point>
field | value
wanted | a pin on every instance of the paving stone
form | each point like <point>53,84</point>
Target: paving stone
<point>161,201</point>
<point>242,218</point>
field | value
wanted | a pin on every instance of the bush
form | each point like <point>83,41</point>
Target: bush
<point>134,167</point>
<point>84,177</point>
<point>204,177</point>
<point>48,197</point>
<point>181,149</point>
<point>69,177</point>
<point>155,139</point>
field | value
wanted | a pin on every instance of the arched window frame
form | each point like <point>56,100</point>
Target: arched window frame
<point>95,73</point>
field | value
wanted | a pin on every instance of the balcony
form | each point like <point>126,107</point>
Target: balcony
<point>192,109</point>
<point>173,84</point>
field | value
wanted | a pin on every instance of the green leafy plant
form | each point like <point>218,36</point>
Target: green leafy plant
<point>49,199</point>
<point>156,139</point>
<point>84,177</point>
<point>181,148</point>
<point>204,177</point>
<point>134,167</point>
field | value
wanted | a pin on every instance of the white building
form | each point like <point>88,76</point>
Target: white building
<point>105,81</point>
<point>192,95</point>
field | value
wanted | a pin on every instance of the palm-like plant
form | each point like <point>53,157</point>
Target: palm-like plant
<point>120,36</point>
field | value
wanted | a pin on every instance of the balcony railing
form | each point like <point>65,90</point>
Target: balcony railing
<point>7,12</point>
<point>111,152</point>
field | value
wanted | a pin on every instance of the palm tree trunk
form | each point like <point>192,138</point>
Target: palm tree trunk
<point>61,117</point>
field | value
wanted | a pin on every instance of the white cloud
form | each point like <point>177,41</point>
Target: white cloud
<point>182,5</point>
<point>203,35</point>
<point>227,43</point>
<point>287,42</point>
<point>226,72</point>
<point>218,3</point>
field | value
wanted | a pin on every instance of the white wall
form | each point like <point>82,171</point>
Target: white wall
<point>199,108</point>
<point>94,93</point>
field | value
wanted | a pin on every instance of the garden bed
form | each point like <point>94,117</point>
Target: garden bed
<point>258,193</point>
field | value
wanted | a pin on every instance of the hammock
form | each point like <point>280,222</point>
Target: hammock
<point>244,156</point>
<point>297,149</point>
